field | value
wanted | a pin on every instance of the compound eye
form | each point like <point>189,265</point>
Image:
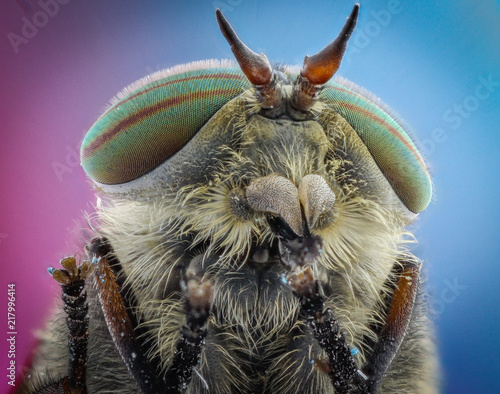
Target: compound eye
<point>386,139</point>
<point>154,118</point>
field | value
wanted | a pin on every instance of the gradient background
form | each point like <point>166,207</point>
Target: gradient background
<point>425,61</point>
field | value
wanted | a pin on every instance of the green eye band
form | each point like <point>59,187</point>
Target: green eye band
<point>154,118</point>
<point>386,139</point>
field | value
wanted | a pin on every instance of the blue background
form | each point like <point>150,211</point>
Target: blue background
<point>426,60</point>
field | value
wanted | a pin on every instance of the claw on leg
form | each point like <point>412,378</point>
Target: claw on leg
<point>71,273</point>
<point>72,280</point>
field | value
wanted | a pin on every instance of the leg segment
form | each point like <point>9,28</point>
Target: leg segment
<point>118,320</point>
<point>72,280</point>
<point>193,333</point>
<point>340,365</point>
<point>122,330</point>
<point>392,333</point>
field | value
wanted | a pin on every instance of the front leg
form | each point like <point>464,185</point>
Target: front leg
<point>340,366</point>
<point>399,312</point>
<point>119,322</point>
<point>198,295</point>
<point>74,296</point>
<point>197,303</point>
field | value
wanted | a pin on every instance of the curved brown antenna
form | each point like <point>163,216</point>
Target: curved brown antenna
<point>256,67</point>
<point>320,68</point>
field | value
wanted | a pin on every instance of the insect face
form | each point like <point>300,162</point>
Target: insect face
<point>239,201</point>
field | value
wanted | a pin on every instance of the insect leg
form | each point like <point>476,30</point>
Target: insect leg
<point>198,298</point>
<point>300,254</point>
<point>392,333</point>
<point>118,321</point>
<point>72,280</point>
<point>340,365</point>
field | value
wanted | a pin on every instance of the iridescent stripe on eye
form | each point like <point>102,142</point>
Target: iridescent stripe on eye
<point>386,140</point>
<point>149,124</point>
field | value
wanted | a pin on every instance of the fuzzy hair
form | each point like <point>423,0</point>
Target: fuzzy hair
<point>361,247</point>
<point>255,340</point>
